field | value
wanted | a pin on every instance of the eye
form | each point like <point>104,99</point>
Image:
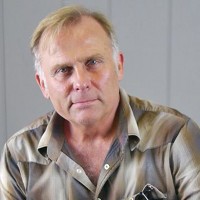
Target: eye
<point>92,63</point>
<point>67,70</point>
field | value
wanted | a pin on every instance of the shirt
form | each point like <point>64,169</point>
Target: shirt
<point>156,155</point>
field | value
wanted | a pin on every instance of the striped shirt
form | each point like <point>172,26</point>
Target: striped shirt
<point>155,156</point>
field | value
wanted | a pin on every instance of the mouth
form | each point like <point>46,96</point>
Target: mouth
<point>83,104</point>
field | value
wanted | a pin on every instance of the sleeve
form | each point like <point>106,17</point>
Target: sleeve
<point>185,162</point>
<point>11,185</point>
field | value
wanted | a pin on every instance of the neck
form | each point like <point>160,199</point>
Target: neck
<point>103,130</point>
<point>90,144</point>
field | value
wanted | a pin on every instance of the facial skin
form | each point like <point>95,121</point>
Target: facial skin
<point>81,77</point>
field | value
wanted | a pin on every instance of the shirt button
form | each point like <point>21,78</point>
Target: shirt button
<point>79,171</point>
<point>106,166</point>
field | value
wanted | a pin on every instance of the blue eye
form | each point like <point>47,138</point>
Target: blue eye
<point>91,62</point>
<point>94,63</point>
<point>64,70</point>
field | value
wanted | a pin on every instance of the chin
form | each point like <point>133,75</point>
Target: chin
<point>86,121</point>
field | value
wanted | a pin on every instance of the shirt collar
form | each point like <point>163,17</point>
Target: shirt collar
<point>52,140</point>
<point>128,119</point>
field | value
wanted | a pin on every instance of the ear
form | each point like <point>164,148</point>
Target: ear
<point>41,82</point>
<point>120,66</point>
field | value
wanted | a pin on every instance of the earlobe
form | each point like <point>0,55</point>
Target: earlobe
<point>41,83</point>
<point>120,66</point>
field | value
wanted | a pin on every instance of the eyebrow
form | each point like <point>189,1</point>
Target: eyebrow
<point>70,64</point>
<point>97,55</point>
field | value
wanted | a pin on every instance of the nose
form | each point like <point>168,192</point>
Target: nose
<point>82,79</point>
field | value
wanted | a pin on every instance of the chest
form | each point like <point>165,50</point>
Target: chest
<point>91,159</point>
<point>124,181</point>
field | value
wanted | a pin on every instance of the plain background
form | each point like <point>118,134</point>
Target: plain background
<point>160,40</point>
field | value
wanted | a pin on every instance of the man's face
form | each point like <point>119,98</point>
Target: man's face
<point>82,79</point>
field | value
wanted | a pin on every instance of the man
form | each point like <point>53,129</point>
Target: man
<point>99,143</point>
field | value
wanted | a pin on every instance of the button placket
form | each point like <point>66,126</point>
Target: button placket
<point>79,171</point>
<point>106,166</point>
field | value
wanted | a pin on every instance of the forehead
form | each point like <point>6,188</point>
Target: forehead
<point>86,29</point>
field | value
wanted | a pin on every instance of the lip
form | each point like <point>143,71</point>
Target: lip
<point>84,103</point>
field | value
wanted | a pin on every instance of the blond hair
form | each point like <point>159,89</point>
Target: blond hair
<point>54,22</point>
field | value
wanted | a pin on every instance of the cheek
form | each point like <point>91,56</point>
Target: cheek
<point>57,88</point>
<point>110,78</point>
<point>102,80</point>
<point>109,83</point>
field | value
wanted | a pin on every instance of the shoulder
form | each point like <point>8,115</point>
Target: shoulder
<point>146,106</point>
<point>144,109</point>
<point>157,124</point>
<point>24,143</point>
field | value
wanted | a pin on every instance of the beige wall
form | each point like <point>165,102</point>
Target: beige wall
<point>160,40</point>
